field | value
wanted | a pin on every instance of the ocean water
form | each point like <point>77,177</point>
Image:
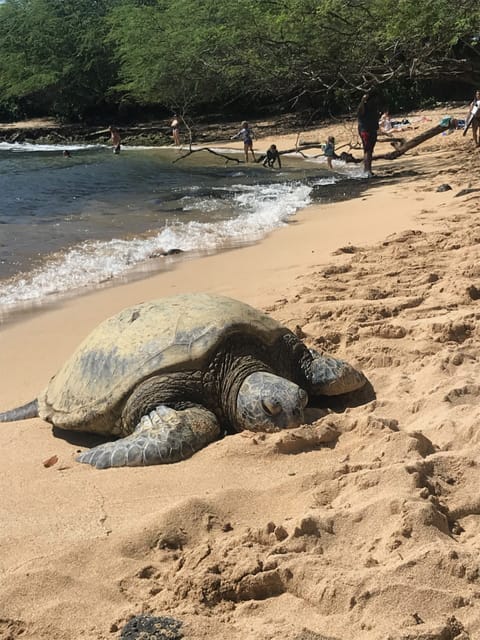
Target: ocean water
<point>67,224</point>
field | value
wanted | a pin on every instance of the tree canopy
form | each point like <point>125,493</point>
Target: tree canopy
<point>80,58</point>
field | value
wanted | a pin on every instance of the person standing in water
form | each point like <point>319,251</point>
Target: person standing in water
<point>368,116</point>
<point>115,138</point>
<point>175,126</point>
<point>329,151</point>
<point>246,134</point>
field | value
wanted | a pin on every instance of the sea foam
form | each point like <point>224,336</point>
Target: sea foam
<point>259,209</point>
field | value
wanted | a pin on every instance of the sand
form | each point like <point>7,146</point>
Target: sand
<point>364,523</point>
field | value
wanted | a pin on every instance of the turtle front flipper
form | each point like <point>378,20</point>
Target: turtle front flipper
<point>164,435</point>
<point>330,376</point>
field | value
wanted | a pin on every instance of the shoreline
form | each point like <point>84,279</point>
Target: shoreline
<point>92,250</point>
<point>276,248</point>
<point>157,264</point>
<point>372,533</point>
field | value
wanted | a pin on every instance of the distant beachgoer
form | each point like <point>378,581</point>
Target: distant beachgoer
<point>405,124</point>
<point>67,154</point>
<point>115,138</point>
<point>272,156</point>
<point>368,128</point>
<point>449,123</point>
<point>475,112</point>
<point>246,134</point>
<point>385,124</point>
<point>175,126</point>
<point>329,151</point>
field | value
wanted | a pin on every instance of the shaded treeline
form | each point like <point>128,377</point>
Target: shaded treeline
<point>87,59</point>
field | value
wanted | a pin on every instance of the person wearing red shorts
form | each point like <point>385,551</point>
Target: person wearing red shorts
<point>368,115</point>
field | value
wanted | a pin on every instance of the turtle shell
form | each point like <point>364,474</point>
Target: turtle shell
<point>171,334</point>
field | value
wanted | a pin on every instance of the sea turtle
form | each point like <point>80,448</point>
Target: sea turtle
<point>171,375</point>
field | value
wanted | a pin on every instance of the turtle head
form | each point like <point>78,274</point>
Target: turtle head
<point>266,402</point>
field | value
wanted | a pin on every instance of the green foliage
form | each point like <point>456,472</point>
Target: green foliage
<point>54,54</point>
<point>74,57</point>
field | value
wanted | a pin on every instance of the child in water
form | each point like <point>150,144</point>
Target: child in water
<point>272,156</point>
<point>329,151</point>
<point>246,134</point>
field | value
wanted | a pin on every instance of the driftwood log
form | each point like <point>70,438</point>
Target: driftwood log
<point>405,145</point>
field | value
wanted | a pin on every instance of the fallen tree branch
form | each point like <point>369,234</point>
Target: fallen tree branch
<point>298,149</point>
<point>402,146</point>
<point>215,153</point>
<point>405,145</point>
<point>392,140</point>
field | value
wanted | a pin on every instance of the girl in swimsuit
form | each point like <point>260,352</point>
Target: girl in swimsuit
<point>246,134</point>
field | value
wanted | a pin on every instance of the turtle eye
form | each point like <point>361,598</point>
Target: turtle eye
<point>271,407</point>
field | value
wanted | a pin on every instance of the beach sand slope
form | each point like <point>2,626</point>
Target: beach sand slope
<point>363,523</point>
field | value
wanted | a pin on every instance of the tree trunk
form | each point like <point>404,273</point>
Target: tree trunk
<point>406,145</point>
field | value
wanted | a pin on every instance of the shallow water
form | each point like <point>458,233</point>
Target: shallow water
<point>70,223</point>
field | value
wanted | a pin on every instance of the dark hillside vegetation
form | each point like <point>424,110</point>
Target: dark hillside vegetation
<point>95,59</point>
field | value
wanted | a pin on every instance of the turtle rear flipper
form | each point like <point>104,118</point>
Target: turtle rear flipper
<point>332,376</point>
<point>164,435</point>
<point>29,410</point>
